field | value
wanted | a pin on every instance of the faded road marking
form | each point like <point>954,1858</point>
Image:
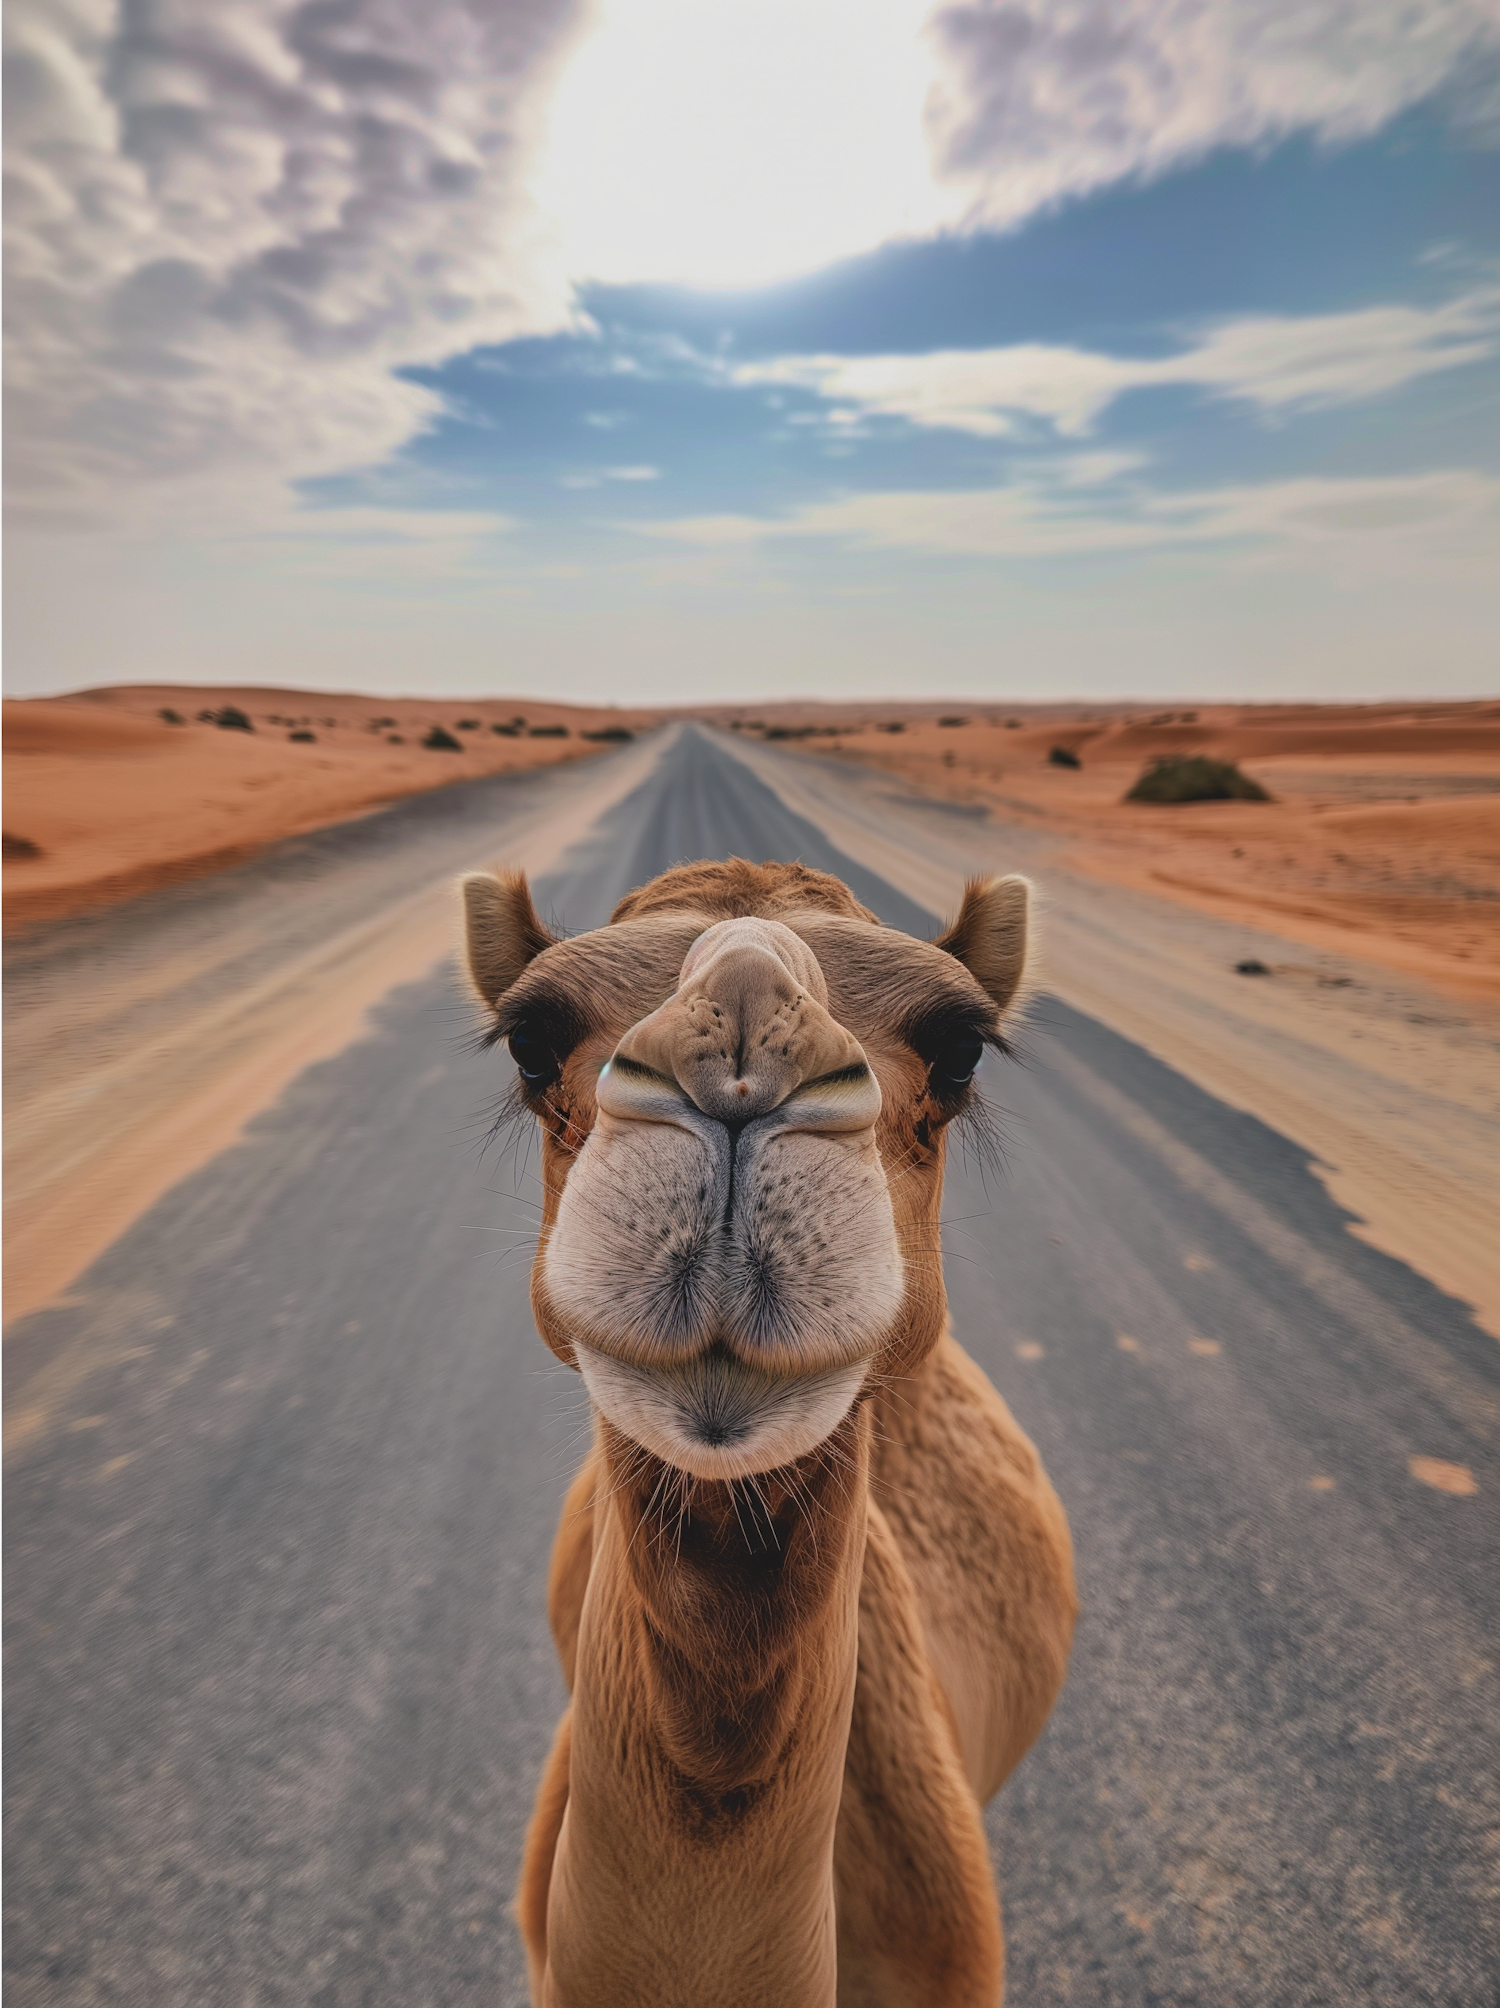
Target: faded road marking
<point>1443,1477</point>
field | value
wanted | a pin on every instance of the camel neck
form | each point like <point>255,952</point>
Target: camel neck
<point>714,1680</point>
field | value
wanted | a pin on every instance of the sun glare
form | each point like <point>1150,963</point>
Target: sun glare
<point>732,142</point>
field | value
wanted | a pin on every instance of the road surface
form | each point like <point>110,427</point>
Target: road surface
<point>278,1677</point>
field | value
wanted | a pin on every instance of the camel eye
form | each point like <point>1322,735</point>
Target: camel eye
<point>953,1064</point>
<point>535,1060</point>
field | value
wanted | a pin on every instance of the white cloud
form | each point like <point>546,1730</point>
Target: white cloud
<point>1273,363</point>
<point>596,477</point>
<point>1069,512</point>
<point>230,220</point>
<point>1041,99</point>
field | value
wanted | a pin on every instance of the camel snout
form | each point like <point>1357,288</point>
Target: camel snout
<point>748,1027</point>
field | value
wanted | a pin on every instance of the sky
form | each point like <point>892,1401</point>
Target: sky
<point>687,350</point>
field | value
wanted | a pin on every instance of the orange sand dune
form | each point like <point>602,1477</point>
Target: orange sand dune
<point>1383,840</point>
<point>104,798</point>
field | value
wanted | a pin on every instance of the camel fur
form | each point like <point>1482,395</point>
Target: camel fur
<point>812,1591</point>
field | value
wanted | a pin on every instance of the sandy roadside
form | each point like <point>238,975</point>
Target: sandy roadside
<point>1391,1085</point>
<point>1368,890</point>
<point>106,797</point>
<point>117,1096</point>
<point>1381,840</point>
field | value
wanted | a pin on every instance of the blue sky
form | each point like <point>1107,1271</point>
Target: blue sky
<point>1091,418</point>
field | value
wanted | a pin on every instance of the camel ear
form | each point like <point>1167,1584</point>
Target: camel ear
<point>988,934</point>
<point>502,931</point>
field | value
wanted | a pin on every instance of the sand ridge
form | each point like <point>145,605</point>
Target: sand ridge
<point>105,798</point>
<point>1382,839</point>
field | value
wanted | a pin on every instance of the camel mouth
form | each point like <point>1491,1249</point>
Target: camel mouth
<point>674,1234</point>
<point>716,1415</point>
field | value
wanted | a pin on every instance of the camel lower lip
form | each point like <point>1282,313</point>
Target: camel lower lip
<point>717,1417</point>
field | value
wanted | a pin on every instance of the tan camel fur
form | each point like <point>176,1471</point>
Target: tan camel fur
<point>812,1591</point>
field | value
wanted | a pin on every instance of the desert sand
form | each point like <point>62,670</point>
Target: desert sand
<point>1391,1086</point>
<point>117,1089</point>
<point>1380,856</point>
<point>105,797</point>
<point>1382,839</point>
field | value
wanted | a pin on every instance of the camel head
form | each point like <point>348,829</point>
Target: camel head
<point>743,1085</point>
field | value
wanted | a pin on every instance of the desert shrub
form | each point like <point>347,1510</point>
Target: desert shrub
<point>610,733</point>
<point>1193,777</point>
<point>468,724</point>
<point>303,738</point>
<point>440,741</point>
<point>170,717</point>
<point>894,725</point>
<point>1012,724</point>
<point>394,739</point>
<point>548,732</point>
<point>18,849</point>
<point>507,731</point>
<point>1063,756</point>
<point>951,722</point>
<point>229,718</point>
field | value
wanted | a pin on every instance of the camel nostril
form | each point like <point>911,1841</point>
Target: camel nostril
<point>742,1088</point>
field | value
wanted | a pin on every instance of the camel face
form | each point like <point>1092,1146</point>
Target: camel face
<point>743,1120</point>
<point>725,1253</point>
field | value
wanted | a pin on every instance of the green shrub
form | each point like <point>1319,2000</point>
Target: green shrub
<point>228,719</point>
<point>1193,777</point>
<point>442,742</point>
<point>610,733</point>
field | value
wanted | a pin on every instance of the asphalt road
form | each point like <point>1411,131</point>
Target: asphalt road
<point>278,1681</point>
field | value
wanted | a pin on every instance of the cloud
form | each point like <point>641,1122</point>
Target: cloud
<point>1272,363</point>
<point>598,476</point>
<point>229,221</point>
<point>233,223</point>
<point>1061,512</point>
<point>1037,100</point>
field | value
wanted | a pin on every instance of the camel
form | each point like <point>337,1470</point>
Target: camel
<point>812,1590</point>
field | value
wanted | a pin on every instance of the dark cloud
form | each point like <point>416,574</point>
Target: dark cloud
<point>1041,99</point>
<point>228,223</point>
